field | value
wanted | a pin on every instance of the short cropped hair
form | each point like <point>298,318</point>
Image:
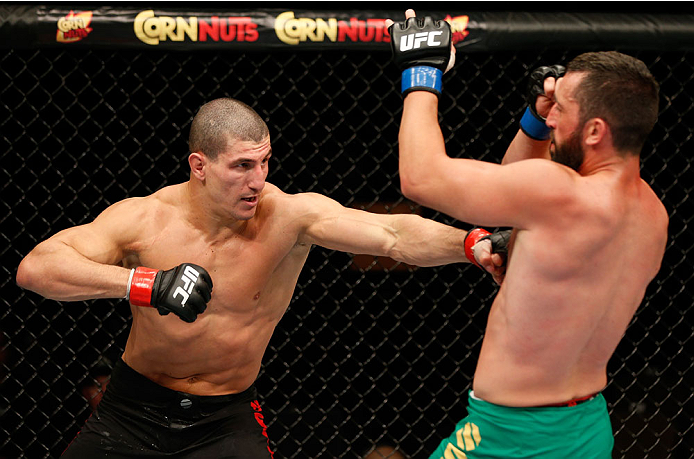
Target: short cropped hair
<point>220,122</point>
<point>622,91</point>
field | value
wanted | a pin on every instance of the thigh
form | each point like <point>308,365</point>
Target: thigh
<point>237,431</point>
<point>101,437</point>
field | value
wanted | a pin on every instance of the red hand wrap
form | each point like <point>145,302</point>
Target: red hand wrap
<point>141,286</point>
<point>472,238</point>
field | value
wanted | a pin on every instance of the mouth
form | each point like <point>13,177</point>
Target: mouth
<point>250,199</point>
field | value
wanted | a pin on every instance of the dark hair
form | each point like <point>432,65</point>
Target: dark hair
<point>222,121</point>
<point>622,91</point>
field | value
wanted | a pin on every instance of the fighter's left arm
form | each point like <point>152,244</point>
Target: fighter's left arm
<point>407,238</point>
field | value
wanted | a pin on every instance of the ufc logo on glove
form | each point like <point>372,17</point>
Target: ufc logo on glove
<point>161,289</point>
<point>415,40</point>
<point>189,277</point>
<point>422,49</point>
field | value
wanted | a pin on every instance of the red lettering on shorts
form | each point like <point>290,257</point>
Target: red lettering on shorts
<point>260,420</point>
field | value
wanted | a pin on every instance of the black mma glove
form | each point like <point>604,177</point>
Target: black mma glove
<point>532,124</point>
<point>422,50</point>
<point>183,290</point>
<point>499,240</point>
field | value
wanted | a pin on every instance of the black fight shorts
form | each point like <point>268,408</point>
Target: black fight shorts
<point>138,418</point>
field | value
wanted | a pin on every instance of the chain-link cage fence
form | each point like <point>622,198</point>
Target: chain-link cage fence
<point>368,352</point>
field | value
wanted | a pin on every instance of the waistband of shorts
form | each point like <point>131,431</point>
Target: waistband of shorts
<point>568,403</point>
<point>128,383</point>
<point>572,402</point>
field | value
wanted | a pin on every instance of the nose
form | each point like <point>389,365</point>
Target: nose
<point>257,177</point>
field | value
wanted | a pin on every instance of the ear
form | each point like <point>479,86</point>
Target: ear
<point>197,162</point>
<point>595,131</point>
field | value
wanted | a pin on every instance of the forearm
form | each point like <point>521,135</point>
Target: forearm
<point>523,147</point>
<point>58,272</point>
<point>423,242</point>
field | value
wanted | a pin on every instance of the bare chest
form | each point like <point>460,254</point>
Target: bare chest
<point>250,272</point>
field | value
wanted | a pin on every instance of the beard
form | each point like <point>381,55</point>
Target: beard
<point>570,153</point>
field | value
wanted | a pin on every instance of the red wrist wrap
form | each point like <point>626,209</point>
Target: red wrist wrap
<point>473,236</point>
<point>141,286</point>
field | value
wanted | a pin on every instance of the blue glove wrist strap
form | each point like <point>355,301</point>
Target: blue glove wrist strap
<point>421,78</point>
<point>533,127</point>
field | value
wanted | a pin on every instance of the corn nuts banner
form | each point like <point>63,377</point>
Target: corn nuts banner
<point>150,27</point>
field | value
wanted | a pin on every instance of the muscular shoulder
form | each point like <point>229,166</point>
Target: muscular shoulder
<point>538,190</point>
<point>655,215</point>
<point>655,206</point>
<point>297,212</point>
<point>129,221</point>
<point>138,210</point>
<point>294,204</point>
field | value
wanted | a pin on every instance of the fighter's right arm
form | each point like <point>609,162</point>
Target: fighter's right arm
<point>83,262</point>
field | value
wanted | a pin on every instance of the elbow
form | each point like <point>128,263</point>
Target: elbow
<point>406,186</point>
<point>418,183</point>
<point>409,183</point>
<point>413,190</point>
<point>28,275</point>
<point>410,192</point>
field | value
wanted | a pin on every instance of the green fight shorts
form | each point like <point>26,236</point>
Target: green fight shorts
<point>500,432</point>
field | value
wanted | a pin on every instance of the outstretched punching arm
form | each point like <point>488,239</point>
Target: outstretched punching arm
<point>404,237</point>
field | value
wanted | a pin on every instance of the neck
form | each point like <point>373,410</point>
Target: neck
<point>610,161</point>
